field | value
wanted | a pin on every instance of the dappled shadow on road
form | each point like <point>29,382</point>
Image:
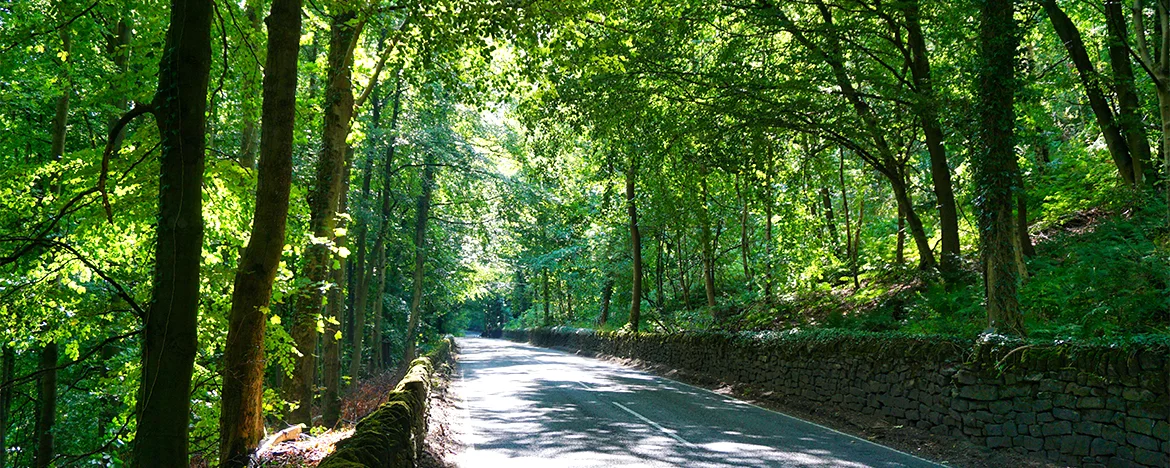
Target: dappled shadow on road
<point>531,407</point>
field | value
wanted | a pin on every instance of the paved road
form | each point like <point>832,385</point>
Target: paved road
<point>535,407</point>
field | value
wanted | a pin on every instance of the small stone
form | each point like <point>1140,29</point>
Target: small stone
<point>1090,402</point>
<point>998,442</point>
<point>979,392</point>
<point>993,430</point>
<point>1142,441</point>
<point>1101,447</point>
<point>1151,458</point>
<point>1135,394</point>
<point>1066,414</point>
<point>1162,430</point>
<point>1057,428</point>
<point>1089,428</point>
<point>1139,425</point>
<point>1076,445</point>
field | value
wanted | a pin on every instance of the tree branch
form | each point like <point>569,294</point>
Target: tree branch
<point>111,146</point>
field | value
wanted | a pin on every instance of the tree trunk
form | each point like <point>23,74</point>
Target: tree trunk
<point>849,247</point>
<point>917,232</point>
<point>708,248</point>
<point>1129,112</point>
<point>323,203</point>
<point>378,360</point>
<point>331,351</point>
<point>682,272</point>
<point>46,405</point>
<point>900,252</point>
<point>170,332</point>
<point>242,414</point>
<point>635,246</point>
<point>606,298</point>
<point>1114,140</point>
<point>7,362</point>
<point>884,161</point>
<point>927,109</point>
<point>994,178</point>
<point>830,221</point>
<point>659,272</point>
<point>422,214</point>
<point>547,300</point>
<point>768,247</point>
<point>745,247</point>
<point>248,110</point>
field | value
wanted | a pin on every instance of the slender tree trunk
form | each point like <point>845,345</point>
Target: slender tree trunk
<point>745,246</point>
<point>323,203</point>
<point>830,221</point>
<point>545,297</point>
<point>849,247</point>
<point>900,252</point>
<point>994,179</point>
<point>331,351</point>
<point>46,406</point>
<point>659,272</point>
<point>635,246</point>
<point>770,264</point>
<point>917,232</point>
<point>1158,70</point>
<point>422,213</point>
<point>378,360</point>
<point>242,415</point>
<point>1114,140</point>
<point>927,109</point>
<point>682,272</point>
<point>47,396</point>
<point>606,298</point>
<point>170,332</point>
<point>1129,113</point>
<point>7,362</point>
<point>248,110</point>
<point>708,248</point>
<point>119,49</point>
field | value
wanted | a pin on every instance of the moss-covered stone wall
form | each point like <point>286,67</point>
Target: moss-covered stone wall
<point>1075,404</point>
<point>393,435</point>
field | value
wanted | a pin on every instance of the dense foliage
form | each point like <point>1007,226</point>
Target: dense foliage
<point>739,165</point>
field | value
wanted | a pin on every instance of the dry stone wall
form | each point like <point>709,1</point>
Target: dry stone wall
<point>1074,404</point>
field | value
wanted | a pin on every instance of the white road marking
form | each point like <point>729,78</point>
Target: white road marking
<point>664,430</point>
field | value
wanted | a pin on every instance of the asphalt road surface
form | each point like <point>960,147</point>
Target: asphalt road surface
<point>534,407</point>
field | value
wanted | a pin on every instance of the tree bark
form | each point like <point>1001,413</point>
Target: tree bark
<point>708,248</point>
<point>769,201</point>
<point>994,178</point>
<point>635,246</point>
<point>7,363</point>
<point>745,246</point>
<point>422,213</point>
<point>383,230</point>
<point>1158,70</point>
<point>927,109</point>
<point>682,272</point>
<point>241,419</point>
<point>606,298</point>
<point>331,349</point>
<point>1129,112</point>
<point>1114,140</point>
<point>830,221</point>
<point>46,406</point>
<point>545,297</point>
<point>323,203</point>
<point>378,360</point>
<point>251,73</point>
<point>170,332</point>
<point>849,247</point>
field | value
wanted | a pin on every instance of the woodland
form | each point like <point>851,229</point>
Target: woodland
<point>217,218</point>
